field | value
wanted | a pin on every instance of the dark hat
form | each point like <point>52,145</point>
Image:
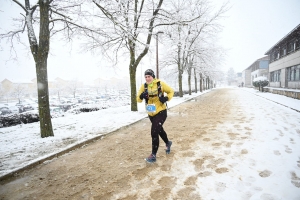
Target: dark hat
<point>150,72</point>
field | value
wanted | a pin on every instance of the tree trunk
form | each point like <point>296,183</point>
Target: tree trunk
<point>41,70</point>
<point>201,83</point>
<point>208,83</point>
<point>195,78</point>
<point>179,72</point>
<point>180,83</point>
<point>132,74</point>
<point>43,99</point>
<point>189,80</point>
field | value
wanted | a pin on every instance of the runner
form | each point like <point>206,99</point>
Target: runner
<point>153,94</point>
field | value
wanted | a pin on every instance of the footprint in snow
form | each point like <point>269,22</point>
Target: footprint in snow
<point>277,153</point>
<point>220,187</point>
<point>265,173</point>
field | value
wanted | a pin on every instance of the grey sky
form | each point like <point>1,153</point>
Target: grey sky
<point>250,29</point>
<point>253,27</point>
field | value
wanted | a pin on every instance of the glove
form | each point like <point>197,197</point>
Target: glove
<point>144,95</point>
<point>163,99</point>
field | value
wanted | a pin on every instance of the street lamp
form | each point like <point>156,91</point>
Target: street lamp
<point>157,71</point>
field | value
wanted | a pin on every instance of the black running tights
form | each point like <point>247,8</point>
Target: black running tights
<point>158,130</point>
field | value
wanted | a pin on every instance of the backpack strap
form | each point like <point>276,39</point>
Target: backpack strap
<point>159,92</point>
<point>146,91</point>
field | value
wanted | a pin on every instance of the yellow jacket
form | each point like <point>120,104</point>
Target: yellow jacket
<point>165,88</point>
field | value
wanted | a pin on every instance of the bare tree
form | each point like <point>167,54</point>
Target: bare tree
<point>73,87</point>
<point>18,92</point>
<point>47,17</point>
<point>196,22</point>
<point>231,76</point>
<point>58,89</point>
<point>207,63</point>
<point>129,25</point>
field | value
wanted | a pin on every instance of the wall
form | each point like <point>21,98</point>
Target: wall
<point>247,74</point>
<point>295,85</point>
<point>289,93</point>
<point>287,61</point>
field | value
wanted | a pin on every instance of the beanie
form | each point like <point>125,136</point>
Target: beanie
<point>150,72</point>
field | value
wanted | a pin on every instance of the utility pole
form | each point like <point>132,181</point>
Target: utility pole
<point>157,68</point>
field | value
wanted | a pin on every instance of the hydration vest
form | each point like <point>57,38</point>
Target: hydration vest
<point>159,92</point>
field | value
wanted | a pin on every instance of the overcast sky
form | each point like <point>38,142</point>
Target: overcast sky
<point>253,27</point>
<point>250,29</point>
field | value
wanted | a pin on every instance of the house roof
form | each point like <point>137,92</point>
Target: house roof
<point>19,81</point>
<point>297,28</point>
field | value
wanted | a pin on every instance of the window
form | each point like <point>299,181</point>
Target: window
<point>275,76</point>
<point>293,73</point>
<point>297,73</point>
<point>274,56</point>
<point>291,46</point>
<point>297,44</point>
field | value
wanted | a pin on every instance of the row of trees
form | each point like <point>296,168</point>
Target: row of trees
<point>121,27</point>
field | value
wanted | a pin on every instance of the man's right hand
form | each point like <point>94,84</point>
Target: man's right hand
<point>144,95</point>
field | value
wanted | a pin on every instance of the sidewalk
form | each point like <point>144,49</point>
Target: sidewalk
<point>288,102</point>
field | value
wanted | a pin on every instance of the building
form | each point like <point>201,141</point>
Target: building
<point>256,69</point>
<point>9,86</point>
<point>284,67</point>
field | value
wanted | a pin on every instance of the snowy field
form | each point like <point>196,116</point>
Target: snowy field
<point>22,145</point>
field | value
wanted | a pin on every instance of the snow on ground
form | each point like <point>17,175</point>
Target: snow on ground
<point>22,145</point>
<point>267,166</point>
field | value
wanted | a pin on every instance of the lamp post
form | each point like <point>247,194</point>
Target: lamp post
<point>157,71</point>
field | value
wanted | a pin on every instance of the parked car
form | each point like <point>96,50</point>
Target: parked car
<point>27,108</point>
<point>5,111</point>
<point>56,112</point>
<point>19,105</point>
<point>14,109</point>
<point>66,107</point>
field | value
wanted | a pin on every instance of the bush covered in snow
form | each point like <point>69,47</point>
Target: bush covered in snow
<point>22,118</point>
<point>86,108</point>
<point>260,82</point>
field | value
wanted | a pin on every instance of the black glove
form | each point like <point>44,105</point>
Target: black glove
<point>144,95</point>
<point>163,99</point>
